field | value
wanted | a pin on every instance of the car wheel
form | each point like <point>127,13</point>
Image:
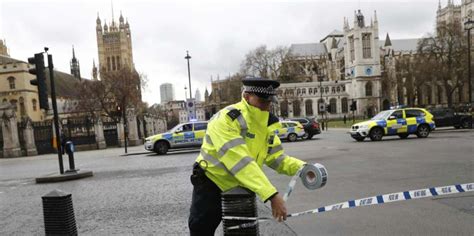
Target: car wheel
<point>359,139</point>
<point>292,137</point>
<point>376,134</point>
<point>466,124</point>
<point>305,136</point>
<point>457,126</point>
<point>423,131</point>
<point>161,148</point>
<point>310,137</point>
<point>403,136</point>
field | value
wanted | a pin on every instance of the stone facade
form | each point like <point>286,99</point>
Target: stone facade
<point>114,43</point>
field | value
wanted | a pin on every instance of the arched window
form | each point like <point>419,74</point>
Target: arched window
<point>333,90</point>
<point>113,63</point>
<point>284,108</point>
<point>11,82</point>
<point>309,107</point>
<point>118,63</point>
<point>4,100</point>
<point>296,108</point>
<point>333,104</point>
<point>109,66</point>
<point>368,89</point>
<point>310,91</point>
<point>34,104</point>
<point>344,105</point>
<point>386,104</point>
<point>14,102</point>
<point>326,90</point>
<point>22,106</point>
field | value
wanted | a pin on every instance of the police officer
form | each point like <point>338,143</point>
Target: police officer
<point>239,140</point>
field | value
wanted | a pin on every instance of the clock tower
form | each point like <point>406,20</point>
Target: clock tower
<point>362,63</point>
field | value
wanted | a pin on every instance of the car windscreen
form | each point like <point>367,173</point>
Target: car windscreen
<point>382,115</point>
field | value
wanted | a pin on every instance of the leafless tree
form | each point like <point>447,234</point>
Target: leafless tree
<point>263,62</point>
<point>117,90</point>
<point>445,53</point>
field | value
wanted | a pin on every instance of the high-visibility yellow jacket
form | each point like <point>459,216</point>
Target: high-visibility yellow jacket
<point>239,140</point>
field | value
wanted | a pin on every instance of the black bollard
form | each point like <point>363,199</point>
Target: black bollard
<point>58,213</point>
<point>239,202</point>
<point>69,146</point>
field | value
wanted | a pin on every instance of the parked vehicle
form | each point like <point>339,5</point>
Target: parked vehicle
<point>290,130</point>
<point>311,126</point>
<point>182,135</point>
<point>445,117</point>
<point>401,122</point>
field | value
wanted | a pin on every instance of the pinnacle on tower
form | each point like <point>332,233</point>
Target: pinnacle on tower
<point>388,42</point>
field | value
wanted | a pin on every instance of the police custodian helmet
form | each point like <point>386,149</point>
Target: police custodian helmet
<point>263,88</point>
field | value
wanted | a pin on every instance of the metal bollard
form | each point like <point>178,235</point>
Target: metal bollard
<point>58,213</point>
<point>69,146</point>
<point>239,202</point>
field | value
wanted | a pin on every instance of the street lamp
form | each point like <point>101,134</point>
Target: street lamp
<point>187,57</point>
<point>321,104</point>
<point>468,25</point>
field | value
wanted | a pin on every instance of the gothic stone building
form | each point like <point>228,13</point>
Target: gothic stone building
<point>354,65</point>
<point>341,68</point>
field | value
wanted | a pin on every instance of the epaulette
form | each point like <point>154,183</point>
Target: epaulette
<point>272,119</point>
<point>233,114</point>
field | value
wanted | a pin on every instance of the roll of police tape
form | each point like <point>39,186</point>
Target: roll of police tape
<point>320,173</point>
<point>373,200</point>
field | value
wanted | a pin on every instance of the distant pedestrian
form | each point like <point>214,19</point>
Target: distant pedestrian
<point>345,119</point>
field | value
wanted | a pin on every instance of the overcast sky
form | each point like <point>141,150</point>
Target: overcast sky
<point>217,34</point>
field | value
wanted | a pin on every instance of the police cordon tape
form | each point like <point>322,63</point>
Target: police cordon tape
<point>373,200</point>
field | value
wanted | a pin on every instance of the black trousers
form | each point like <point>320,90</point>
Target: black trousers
<point>205,213</point>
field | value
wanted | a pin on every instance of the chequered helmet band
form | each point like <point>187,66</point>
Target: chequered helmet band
<point>262,90</point>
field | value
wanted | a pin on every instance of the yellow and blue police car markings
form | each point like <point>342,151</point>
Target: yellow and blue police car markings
<point>291,129</point>
<point>168,136</point>
<point>402,121</point>
<point>189,135</point>
<point>412,128</point>
<point>382,123</point>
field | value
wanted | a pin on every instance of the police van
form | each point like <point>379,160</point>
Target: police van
<point>290,130</point>
<point>183,135</point>
<point>401,122</point>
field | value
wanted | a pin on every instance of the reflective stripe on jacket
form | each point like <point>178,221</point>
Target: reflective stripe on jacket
<point>236,148</point>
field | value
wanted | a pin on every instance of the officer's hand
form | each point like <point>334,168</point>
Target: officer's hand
<point>278,208</point>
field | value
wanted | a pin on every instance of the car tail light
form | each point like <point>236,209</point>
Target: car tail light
<point>315,125</point>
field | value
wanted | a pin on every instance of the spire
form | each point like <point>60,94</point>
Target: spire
<point>75,69</point>
<point>375,17</point>
<point>94,70</point>
<point>439,5</point>
<point>121,18</point>
<point>388,42</point>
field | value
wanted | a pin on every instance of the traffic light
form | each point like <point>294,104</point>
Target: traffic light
<point>40,81</point>
<point>354,106</point>
<point>328,108</point>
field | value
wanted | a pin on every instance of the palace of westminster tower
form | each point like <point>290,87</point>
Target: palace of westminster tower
<point>114,43</point>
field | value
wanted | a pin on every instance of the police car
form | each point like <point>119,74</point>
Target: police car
<point>182,135</point>
<point>401,122</point>
<point>290,130</point>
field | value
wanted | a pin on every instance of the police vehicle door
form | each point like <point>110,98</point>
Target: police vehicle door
<point>199,133</point>
<point>396,122</point>
<point>183,136</point>
<point>413,118</point>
